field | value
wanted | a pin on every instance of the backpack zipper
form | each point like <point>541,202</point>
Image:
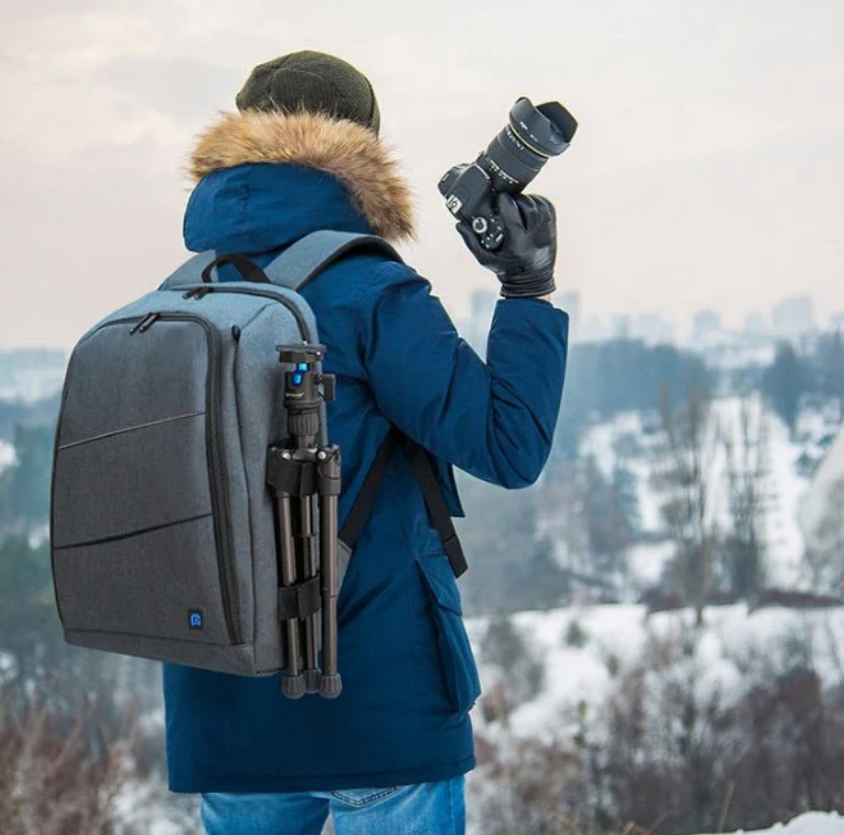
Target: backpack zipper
<point>199,293</point>
<point>217,469</point>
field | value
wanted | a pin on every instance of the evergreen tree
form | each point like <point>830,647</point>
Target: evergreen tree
<point>784,382</point>
<point>516,567</point>
<point>829,367</point>
<point>608,531</point>
<point>28,618</point>
<point>606,378</point>
<point>626,497</point>
<point>25,486</point>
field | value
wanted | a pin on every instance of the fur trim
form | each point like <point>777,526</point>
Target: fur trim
<point>344,149</point>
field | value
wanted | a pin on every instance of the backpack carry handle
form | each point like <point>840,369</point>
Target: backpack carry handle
<point>247,268</point>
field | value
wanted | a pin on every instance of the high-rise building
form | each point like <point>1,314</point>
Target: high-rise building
<point>652,328</point>
<point>476,328</point>
<point>754,324</point>
<point>705,324</point>
<point>570,302</point>
<point>621,326</point>
<point>794,316</point>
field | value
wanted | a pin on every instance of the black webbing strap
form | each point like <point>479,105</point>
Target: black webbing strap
<point>247,268</point>
<point>437,508</point>
<point>424,471</point>
<point>299,600</point>
<point>362,508</point>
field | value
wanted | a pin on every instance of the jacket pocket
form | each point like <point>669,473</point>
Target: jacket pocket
<point>456,660</point>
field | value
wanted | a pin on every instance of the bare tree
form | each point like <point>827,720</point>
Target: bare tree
<point>685,472</point>
<point>746,448</point>
<point>73,759</point>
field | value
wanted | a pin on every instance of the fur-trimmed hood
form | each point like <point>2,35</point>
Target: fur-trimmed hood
<point>345,150</point>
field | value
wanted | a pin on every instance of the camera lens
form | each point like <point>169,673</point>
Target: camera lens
<point>532,135</point>
<point>547,129</point>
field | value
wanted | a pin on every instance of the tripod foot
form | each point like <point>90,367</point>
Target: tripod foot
<point>312,681</point>
<point>330,687</point>
<point>293,686</point>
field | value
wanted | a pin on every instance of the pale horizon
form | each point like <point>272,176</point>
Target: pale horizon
<point>707,171</point>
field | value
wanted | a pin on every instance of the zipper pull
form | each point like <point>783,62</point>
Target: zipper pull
<point>137,325</point>
<point>146,323</point>
<point>189,293</point>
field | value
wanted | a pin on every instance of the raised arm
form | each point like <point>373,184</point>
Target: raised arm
<point>494,420</point>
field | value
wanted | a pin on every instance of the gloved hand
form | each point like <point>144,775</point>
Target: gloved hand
<point>524,263</point>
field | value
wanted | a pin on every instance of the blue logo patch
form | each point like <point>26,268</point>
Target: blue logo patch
<point>195,619</point>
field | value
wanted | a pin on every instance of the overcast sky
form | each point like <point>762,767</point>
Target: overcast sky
<point>708,170</point>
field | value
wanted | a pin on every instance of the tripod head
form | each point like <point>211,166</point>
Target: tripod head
<point>305,389</point>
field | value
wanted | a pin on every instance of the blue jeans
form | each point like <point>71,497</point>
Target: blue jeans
<point>424,809</point>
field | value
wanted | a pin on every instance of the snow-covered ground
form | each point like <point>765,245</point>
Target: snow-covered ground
<point>584,651</point>
<point>7,455</point>
<point>812,823</point>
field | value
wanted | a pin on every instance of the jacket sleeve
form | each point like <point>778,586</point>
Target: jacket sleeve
<point>494,420</point>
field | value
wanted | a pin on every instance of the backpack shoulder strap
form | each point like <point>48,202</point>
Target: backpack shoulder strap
<point>302,261</point>
<point>423,469</point>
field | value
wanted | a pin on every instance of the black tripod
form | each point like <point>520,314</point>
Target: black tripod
<point>304,476</point>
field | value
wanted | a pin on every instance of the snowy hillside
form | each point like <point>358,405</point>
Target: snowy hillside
<point>634,442</point>
<point>574,696</point>
<point>583,650</point>
<point>820,500</point>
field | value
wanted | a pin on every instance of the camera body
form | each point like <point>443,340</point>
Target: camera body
<point>469,195</point>
<point>512,160</point>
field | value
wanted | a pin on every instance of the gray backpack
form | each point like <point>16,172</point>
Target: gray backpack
<point>164,533</point>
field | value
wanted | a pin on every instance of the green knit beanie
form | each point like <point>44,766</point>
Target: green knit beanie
<point>315,82</point>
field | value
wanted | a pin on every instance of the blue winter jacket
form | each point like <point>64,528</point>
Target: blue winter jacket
<point>408,673</point>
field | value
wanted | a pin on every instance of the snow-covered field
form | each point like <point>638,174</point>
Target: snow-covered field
<point>812,823</point>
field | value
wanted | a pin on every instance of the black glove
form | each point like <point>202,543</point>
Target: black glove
<point>524,263</point>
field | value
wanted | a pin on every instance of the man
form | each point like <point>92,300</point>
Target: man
<point>390,754</point>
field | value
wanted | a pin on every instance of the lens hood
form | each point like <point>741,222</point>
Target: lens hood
<point>546,129</point>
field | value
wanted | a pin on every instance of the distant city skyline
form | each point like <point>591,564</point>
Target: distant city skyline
<point>787,319</point>
<point>705,174</point>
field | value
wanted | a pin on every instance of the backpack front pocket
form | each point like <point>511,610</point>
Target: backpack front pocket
<point>139,541</point>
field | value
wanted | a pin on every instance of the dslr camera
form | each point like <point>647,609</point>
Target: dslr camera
<point>512,160</point>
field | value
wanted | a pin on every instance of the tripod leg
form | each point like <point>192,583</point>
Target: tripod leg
<point>293,684</point>
<point>307,537</point>
<point>329,489</point>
